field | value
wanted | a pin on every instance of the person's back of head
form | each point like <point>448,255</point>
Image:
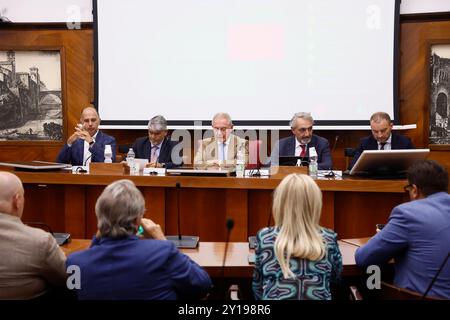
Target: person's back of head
<point>11,194</point>
<point>429,177</point>
<point>119,209</point>
<point>297,206</point>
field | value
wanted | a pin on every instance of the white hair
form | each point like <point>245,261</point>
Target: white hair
<point>117,209</point>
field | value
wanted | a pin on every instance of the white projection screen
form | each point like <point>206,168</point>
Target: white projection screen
<point>259,60</point>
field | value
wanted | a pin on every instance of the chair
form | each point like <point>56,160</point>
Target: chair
<point>254,161</point>
<point>348,153</point>
<point>388,292</point>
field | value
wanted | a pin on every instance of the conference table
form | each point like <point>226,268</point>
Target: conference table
<point>210,255</point>
<point>66,202</point>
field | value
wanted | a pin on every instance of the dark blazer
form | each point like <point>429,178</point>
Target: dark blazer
<point>74,153</point>
<point>369,143</point>
<point>417,236</point>
<point>142,149</point>
<point>286,147</point>
<point>133,269</point>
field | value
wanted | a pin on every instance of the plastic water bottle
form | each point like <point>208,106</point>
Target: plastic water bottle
<point>108,154</point>
<point>313,167</point>
<point>240,164</point>
<point>130,160</point>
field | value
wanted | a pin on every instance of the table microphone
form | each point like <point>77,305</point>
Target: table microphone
<point>230,225</point>
<point>190,242</point>
<point>331,174</point>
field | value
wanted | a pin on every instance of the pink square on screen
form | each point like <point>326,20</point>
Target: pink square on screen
<point>255,42</point>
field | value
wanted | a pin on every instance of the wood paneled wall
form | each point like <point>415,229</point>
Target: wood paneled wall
<point>78,67</point>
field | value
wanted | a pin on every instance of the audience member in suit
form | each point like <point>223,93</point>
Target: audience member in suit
<point>417,235</point>
<point>157,147</point>
<point>223,148</point>
<point>382,137</point>
<point>87,143</point>
<point>31,262</point>
<point>302,139</point>
<point>119,265</point>
<point>296,259</point>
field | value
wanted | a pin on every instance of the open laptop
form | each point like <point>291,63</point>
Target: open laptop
<point>387,163</point>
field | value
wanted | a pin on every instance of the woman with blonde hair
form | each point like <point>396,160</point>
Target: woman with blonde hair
<point>296,259</point>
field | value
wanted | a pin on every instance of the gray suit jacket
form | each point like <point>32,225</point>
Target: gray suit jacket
<point>30,259</point>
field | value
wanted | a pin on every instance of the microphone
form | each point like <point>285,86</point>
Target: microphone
<point>189,242</point>
<point>435,277</point>
<point>331,174</point>
<point>230,225</point>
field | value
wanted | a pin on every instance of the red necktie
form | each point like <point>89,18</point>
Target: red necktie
<point>303,152</point>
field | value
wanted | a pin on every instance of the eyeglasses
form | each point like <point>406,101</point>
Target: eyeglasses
<point>408,188</point>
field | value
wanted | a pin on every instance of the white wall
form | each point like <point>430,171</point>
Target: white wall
<point>81,10</point>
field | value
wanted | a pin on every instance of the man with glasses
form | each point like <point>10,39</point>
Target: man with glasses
<point>382,137</point>
<point>223,148</point>
<point>417,235</point>
<point>302,139</point>
<point>156,147</point>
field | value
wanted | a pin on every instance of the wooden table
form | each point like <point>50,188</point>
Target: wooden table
<point>66,202</point>
<point>209,255</point>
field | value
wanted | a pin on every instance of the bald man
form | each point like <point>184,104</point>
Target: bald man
<point>87,143</point>
<point>30,259</point>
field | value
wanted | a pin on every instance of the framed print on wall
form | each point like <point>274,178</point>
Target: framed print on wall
<point>31,95</point>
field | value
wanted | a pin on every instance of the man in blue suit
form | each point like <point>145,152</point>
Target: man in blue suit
<point>156,147</point>
<point>302,139</point>
<point>382,137</point>
<point>121,266</point>
<point>87,143</point>
<point>417,234</point>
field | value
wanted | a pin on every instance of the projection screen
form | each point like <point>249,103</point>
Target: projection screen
<point>259,60</point>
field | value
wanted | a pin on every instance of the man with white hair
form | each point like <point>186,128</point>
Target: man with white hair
<point>157,147</point>
<point>223,148</point>
<point>121,266</point>
<point>30,259</point>
<point>301,140</point>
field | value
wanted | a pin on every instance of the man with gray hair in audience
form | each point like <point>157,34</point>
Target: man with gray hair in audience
<point>119,265</point>
<point>302,139</point>
<point>30,259</point>
<point>157,147</point>
<point>223,148</point>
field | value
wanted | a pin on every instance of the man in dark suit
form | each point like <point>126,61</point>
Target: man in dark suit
<point>87,143</point>
<point>302,139</point>
<point>119,265</point>
<point>156,147</point>
<point>417,235</point>
<point>382,137</point>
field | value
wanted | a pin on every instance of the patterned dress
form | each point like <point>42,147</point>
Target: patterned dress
<point>312,281</point>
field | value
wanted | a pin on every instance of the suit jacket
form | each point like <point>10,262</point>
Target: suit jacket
<point>30,260</point>
<point>417,236</point>
<point>74,154</point>
<point>208,151</point>
<point>286,147</point>
<point>135,269</point>
<point>369,143</point>
<point>142,148</point>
